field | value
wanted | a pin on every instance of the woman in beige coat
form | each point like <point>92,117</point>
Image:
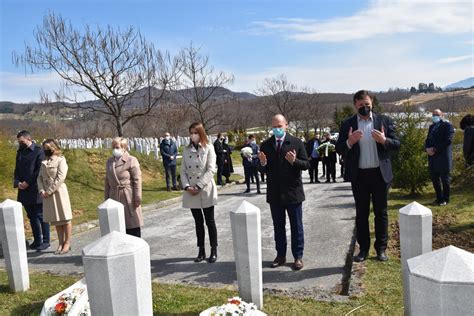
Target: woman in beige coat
<point>200,192</point>
<point>56,204</point>
<point>123,183</point>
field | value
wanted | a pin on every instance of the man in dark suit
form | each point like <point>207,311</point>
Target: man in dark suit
<point>251,164</point>
<point>28,163</point>
<point>220,157</point>
<point>169,152</point>
<point>366,140</point>
<point>330,159</point>
<point>283,156</point>
<point>313,156</point>
<point>439,148</point>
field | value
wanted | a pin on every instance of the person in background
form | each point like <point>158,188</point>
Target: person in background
<point>228,167</point>
<point>313,156</point>
<point>220,156</point>
<point>330,159</point>
<point>283,157</point>
<point>366,140</point>
<point>438,146</point>
<point>250,162</point>
<point>56,204</point>
<point>123,183</point>
<point>28,164</point>
<point>467,125</point>
<point>200,192</point>
<point>169,152</point>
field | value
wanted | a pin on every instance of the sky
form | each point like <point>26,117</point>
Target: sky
<point>324,46</point>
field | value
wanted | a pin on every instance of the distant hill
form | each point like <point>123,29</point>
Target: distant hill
<point>463,84</point>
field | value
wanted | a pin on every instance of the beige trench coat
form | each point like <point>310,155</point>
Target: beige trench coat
<point>198,168</point>
<point>123,183</point>
<point>56,207</point>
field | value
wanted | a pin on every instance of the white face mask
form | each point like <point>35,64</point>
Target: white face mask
<point>117,152</point>
<point>195,138</point>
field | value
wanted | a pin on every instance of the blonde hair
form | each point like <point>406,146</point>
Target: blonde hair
<point>53,145</point>
<point>120,141</point>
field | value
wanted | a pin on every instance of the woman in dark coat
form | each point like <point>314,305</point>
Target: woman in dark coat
<point>228,167</point>
<point>467,125</point>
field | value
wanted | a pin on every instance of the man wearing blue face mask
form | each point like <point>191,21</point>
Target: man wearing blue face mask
<point>282,157</point>
<point>438,146</point>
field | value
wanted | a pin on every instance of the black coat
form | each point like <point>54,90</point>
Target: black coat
<point>284,183</point>
<point>310,145</point>
<point>167,150</point>
<point>468,146</point>
<point>332,155</point>
<point>220,154</point>
<point>351,161</point>
<point>440,136</point>
<point>28,164</point>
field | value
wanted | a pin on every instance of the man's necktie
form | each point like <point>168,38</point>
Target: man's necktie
<point>278,145</point>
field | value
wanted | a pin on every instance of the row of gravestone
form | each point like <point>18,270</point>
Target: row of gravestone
<point>117,266</point>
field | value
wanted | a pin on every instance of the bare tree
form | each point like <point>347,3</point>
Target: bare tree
<point>199,84</point>
<point>312,113</point>
<point>126,74</point>
<point>281,97</point>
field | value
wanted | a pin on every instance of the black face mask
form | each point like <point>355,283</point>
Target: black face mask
<point>22,146</point>
<point>48,152</point>
<point>365,110</point>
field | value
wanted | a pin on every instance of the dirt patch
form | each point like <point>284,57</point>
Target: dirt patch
<point>442,235</point>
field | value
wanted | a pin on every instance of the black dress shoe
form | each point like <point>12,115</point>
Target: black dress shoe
<point>381,256</point>
<point>259,192</point>
<point>362,256</point>
<point>213,256</point>
<point>201,255</point>
<point>278,262</point>
<point>317,181</point>
<point>247,191</point>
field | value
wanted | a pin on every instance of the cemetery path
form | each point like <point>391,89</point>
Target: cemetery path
<point>329,227</point>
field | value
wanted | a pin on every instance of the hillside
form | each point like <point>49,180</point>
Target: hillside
<point>462,84</point>
<point>446,101</point>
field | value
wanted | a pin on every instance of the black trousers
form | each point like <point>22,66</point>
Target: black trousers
<point>220,168</point>
<point>313,169</point>
<point>441,185</point>
<point>330,170</point>
<point>134,232</point>
<point>210,222</point>
<point>251,171</point>
<point>368,186</point>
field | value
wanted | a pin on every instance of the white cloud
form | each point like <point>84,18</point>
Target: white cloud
<point>449,60</point>
<point>382,17</point>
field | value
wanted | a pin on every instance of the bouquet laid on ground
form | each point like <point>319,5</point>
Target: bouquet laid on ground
<point>66,301</point>
<point>73,301</point>
<point>235,306</point>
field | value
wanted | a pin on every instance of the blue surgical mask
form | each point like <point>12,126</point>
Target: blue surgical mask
<point>436,118</point>
<point>278,132</point>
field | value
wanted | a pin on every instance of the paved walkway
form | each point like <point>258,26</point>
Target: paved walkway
<point>328,222</point>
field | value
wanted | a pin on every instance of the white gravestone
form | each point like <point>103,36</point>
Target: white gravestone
<point>442,282</point>
<point>415,221</point>
<point>111,217</point>
<point>247,239</point>
<point>118,275</point>
<point>12,235</point>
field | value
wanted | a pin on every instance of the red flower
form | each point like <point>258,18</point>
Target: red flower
<point>234,301</point>
<point>60,308</point>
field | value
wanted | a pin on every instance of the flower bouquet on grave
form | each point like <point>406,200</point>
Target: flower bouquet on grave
<point>73,301</point>
<point>325,149</point>
<point>235,306</point>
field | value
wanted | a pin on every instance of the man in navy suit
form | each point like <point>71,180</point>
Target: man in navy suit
<point>439,148</point>
<point>282,157</point>
<point>313,156</point>
<point>366,140</point>
<point>251,164</point>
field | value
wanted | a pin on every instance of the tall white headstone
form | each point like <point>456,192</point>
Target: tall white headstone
<point>247,240</point>
<point>442,282</point>
<point>111,217</point>
<point>415,221</point>
<point>118,275</point>
<point>12,235</point>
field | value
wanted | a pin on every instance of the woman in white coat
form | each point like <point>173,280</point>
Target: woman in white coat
<point>200,192</point>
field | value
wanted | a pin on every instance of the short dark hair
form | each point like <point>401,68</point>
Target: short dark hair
<point>24,133</point>
<point>361,94</point>
<point>251,136</point>
<point>219,135</point>
<point>466,121</point>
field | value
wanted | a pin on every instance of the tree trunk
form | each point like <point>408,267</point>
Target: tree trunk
<point>119,127</point>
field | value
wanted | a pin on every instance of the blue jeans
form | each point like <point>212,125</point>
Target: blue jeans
<point>295,214</point>
<point>40,229</point>
<point>170,172</point>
